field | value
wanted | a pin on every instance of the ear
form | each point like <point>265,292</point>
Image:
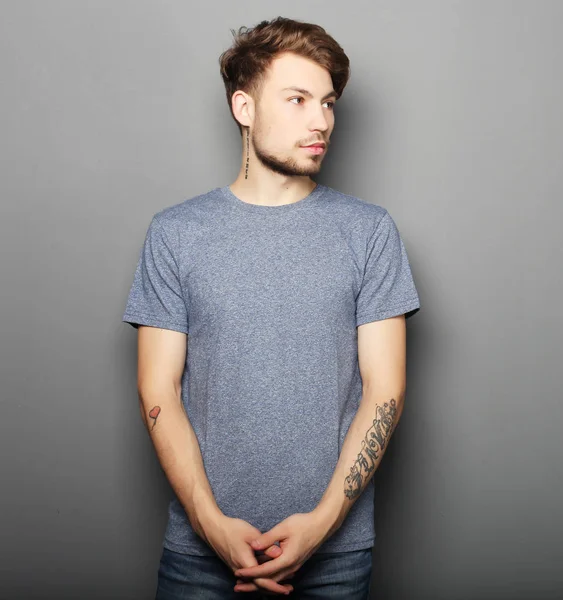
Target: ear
<point>243,108</point>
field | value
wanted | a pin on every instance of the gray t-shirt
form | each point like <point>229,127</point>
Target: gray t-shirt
<point>270,297</point>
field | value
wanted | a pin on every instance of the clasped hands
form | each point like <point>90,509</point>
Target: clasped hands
<point>299,536</point>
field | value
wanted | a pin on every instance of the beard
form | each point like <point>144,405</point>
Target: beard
<point>287,166</point>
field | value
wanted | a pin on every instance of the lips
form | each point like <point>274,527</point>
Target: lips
<point>315,148</point>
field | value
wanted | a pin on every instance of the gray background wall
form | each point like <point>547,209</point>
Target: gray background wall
<point>452,120</point>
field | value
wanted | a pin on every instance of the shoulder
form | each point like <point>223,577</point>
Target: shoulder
<point>193,211</point>
<point>199,206</point>
<point>354,209</point>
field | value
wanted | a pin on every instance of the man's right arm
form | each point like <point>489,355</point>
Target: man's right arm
<point>161,361</point>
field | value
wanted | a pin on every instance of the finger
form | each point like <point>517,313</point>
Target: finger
<point>266,569</point>
<point>273,551</point>
<point>270,537</point>
<point>247,557</point>
<point>268,554</point>
<point>281,579</point>
<point>267,593</point>
<point>245,587</point>
<point>264,584</point>
<point>273,586</point>
<point>252,587</point>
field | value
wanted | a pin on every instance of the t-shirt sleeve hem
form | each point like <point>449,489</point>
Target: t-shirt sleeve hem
<point>411,307</point>
<point>136,319</point>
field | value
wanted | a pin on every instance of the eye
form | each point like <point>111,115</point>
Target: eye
<point>296,98</point>
<point>331,103</point>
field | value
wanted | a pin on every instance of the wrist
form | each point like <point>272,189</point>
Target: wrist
<point>205,513</point>
<point>328,517</point>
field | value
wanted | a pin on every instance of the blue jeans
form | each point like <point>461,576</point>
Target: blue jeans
<point>324,576</point>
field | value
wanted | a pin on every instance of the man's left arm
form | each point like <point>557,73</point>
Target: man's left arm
<point>382,362</point>
<point>387,287</point>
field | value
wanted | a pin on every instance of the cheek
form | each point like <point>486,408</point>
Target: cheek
<point>285,134</point>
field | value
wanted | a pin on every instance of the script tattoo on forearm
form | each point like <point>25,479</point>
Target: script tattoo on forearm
<point>373,445</point>
<point>153,414</point>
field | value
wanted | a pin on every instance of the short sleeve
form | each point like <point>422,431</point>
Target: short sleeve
<point>156,297</point>
<point>387,288</point>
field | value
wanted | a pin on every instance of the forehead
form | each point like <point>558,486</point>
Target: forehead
<point>289,69</point>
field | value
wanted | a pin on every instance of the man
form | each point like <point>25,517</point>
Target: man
<point>271,344</point>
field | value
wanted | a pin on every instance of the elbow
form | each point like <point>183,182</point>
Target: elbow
<point>161,392</point>
<point>142,409</point>
<point>385,393</point>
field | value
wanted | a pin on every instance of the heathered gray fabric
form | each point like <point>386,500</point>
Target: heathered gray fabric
<point>270,298</point>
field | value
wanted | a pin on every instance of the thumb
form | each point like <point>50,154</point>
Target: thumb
<point>246,556</point>
<point>268,538</point>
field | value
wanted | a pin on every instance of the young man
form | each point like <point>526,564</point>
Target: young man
<point>271,345</point>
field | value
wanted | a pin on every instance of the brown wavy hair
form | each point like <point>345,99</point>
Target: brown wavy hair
<point>244,64</point>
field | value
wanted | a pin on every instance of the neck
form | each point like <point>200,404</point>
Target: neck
<point>272,190</point>
<point>257,184</point>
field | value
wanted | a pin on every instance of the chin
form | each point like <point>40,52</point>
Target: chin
<point>309,160</point>
<point>313,166</point>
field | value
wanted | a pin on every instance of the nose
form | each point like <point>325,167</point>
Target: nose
<point>319,121</point>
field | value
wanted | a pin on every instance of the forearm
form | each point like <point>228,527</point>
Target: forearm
<point>363,448</point>
<point>179,454</point>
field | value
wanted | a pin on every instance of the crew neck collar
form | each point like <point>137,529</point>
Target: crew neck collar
<point>235,201</point>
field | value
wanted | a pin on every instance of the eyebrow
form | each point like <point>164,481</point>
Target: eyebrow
<point>307,93</point>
